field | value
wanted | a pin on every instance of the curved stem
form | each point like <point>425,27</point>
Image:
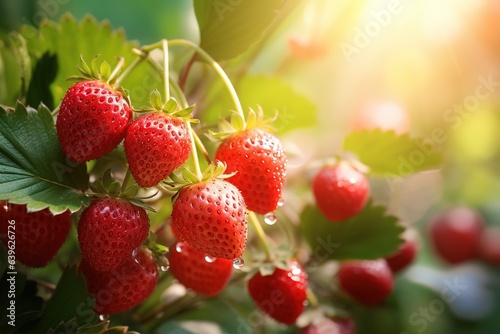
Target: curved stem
<point>202,148</point>
<point>116,70</point>
<point>166,76</point>
<point>132,67</point>
<point>218,69</point>
<point>311,297</point>
<point>178,92</point>
<point>185,71</point>
<point>252,217</point>
<point>194,152</point>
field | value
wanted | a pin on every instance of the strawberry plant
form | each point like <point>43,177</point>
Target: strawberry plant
<point>174,186</point>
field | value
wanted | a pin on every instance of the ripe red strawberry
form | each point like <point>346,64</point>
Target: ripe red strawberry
<point>92,120</point>
<point>403,257</point>
<point>36,236</point>
<point>331,326</point>
<point>367,282</point>
<point>455,233</point>
<point>259,159</point>
<point>340,191</point>
<point>211,217</point>
<point>109,230</point>
<point>281,295</point>
<point>196,273</point>
<point>489,246</point>
<point>123,287</point>
<point>155,145</point>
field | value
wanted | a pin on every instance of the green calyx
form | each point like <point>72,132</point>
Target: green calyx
<point>108,187</point>
<point>170,107</point>
<point>215,170</point>
<point>237,123</point>
<point>158,251</point>
<point>98,71</point>
<point>259,261</point>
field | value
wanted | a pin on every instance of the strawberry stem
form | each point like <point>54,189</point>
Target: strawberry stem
<point>185,71</point>
<point>311,297</point>
<point>218,69</point>
<point>137,61</point>
<point>166,76</point>
<point>116,70</point>
<point>260,233</point>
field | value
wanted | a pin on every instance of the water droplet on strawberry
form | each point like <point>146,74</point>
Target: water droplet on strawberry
<point>270,218</point>
<point>306,303</point>
<point>103,317</point>
<point>210,259</point>
<point>179,247</point>
<point>238,263</point>
<point>281,202</point>
<point>163,263</point>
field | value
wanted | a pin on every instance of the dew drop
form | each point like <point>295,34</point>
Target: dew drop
<point>210,259</point>
<point>306,303</point>
<point>103,317</point>
<point>164,263</point>
<point>179,247</point>
<point>270,218</point>
<point>281,202</point>
<point>238,263</point>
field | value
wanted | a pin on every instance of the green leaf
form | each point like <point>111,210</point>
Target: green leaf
<point>389,154</point>
<point>229,27</point>
<point>33,168</point>
<point>70,40</point>
<point>43,75</point>
<point>370,234</point>
<point>272,94</point>
<point>215,316</point>
<point>69,301</point>
<point>10,74</point>
<point>20,48</point>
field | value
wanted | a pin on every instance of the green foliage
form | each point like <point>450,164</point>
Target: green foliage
<point>229,28</point>
<point>389,154</point>
<point>33,168</point>
<point>276,98</point>
<point>44,74</point>
<point>370,234</point>
<point>69,40</point>
<point>69,301</point>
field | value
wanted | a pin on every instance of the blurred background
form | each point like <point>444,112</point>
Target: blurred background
<point>427,68</point>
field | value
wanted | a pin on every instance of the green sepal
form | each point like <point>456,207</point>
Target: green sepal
<point>183,113</point>
<point>105,70</point>
<point>189,176</point>
<point>171,105</point>
<point>155,100</point>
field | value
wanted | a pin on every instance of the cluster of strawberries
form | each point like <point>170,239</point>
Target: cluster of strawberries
<point>209,213</point>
